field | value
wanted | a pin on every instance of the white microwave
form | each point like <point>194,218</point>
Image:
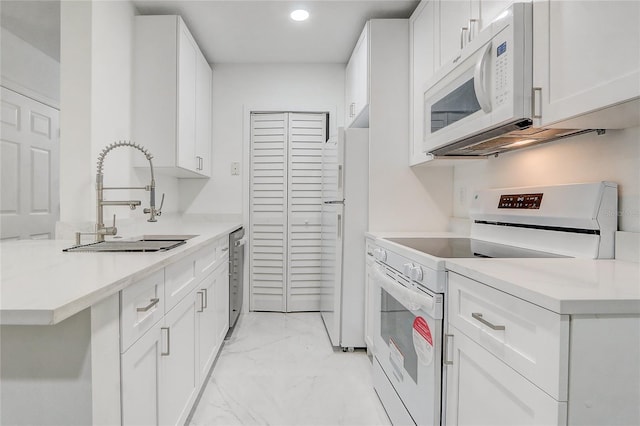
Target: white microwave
<point>480,103</point>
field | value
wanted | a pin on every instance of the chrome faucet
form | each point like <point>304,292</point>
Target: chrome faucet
<point>101,230</point>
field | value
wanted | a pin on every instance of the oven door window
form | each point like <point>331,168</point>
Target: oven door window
<point>456,105</point>
<point>396,330</point>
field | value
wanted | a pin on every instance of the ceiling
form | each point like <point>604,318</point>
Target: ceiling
<point>233,31</point>
<point>241,31</point>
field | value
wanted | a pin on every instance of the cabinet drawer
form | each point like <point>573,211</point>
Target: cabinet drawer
<point>482,390</point>
<point>530,339</point>
<point>180,279</point>
<point>222,247</point>
<point>142,305</point>
<point>206,259</point>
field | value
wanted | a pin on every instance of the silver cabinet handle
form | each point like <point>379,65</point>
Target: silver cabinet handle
<point>352,109</point>
<point>472,27</point>
<point>339,226</point>
<point>462,38</point>
<point>152,303</point>
<point>478,316</point>
<point>205,298</point>
<point>201,294</point>
<point>168,352</point>
<point>225,249</point>
<point>445,356</point>
<point>536,101</point>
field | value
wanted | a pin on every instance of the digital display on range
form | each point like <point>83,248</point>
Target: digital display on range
<point>502,48</point>
<point>520,201</point>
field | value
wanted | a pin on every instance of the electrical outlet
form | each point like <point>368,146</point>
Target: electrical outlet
<point>235,168</point>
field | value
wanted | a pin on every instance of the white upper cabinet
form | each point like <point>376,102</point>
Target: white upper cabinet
<point>587,59</point>
<point>171,97</point>
<point>424,51</point>
<point>455,19</point>
<point>357,83</point>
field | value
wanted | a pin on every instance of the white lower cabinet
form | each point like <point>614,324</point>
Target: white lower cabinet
<point>141,375</point>
<point>159,380</point>
<point>212,316</point>
<point>179,382</point>
<point>164,368</point>
<point>483,390</point>
<point>511,362</point>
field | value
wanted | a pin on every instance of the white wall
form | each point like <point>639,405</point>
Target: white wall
<point>237,88</point>
<point>29,71</point>
<point>96,78</point>
<point>614,157</point>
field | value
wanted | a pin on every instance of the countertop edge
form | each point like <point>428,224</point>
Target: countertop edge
<point>70,308</point>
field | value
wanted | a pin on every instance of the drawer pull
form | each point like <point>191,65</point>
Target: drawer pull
<point>153,303</point>
<point>225,249</point>
<point>201,294</point>
<point>478,316</point>
<point>168,351</point>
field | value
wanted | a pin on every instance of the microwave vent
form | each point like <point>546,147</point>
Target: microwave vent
<point>518,134</point>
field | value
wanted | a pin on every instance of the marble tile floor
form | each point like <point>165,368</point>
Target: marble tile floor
<point>280,369</point>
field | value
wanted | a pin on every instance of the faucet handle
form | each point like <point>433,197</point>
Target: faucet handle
<point>159,211</point>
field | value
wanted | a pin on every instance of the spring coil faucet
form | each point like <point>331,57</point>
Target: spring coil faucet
<point>101,230</point>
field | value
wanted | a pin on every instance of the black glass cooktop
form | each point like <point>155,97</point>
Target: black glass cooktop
<point>467,248</point>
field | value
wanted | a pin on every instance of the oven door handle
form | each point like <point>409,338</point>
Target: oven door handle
<point>411,299</point>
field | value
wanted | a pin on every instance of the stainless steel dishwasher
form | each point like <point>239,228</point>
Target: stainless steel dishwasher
<point>236,272</point>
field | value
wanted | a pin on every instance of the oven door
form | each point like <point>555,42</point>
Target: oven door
<point>408,343</point>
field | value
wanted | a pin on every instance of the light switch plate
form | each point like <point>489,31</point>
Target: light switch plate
<point>235,168</point>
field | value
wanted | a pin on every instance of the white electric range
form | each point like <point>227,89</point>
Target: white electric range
<point>410,279</point>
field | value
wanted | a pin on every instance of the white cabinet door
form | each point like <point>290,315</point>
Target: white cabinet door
<point>221,303</point>
<point>206,324</point>
<point>586,57</point>
<point>171,97</point>
<point>482,390</point>
<point>357,83</point>
<point>212,302</point>
<point>454,28</point>
<point>424,49</point>
<point>187,56</point>
<point>141,376</point>
<point>203,116</point>
<point>178,385</point>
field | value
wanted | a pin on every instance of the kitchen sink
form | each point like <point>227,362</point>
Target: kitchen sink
<point>144,244</point>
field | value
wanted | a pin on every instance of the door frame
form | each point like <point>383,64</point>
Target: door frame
<point>246,173</point>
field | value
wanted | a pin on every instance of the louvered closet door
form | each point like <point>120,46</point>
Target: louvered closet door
<point>286,200</point>
<point>268,236</point>
<point>307,134</point>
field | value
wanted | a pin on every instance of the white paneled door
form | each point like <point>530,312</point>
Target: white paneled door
<point>29,176</point>
<point>286,200</point>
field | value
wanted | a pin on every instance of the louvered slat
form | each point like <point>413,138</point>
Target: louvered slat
<point>268,212</point>
<point>307,134</point>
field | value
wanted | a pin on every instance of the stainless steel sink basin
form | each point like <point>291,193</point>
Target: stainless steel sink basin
<point>144,244</point>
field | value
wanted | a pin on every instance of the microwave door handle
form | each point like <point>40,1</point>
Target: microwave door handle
<point>479,80</point>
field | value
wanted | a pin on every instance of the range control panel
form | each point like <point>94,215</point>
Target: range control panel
<point>520,201</point>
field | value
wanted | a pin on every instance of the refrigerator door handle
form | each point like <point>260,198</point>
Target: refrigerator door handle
<point>339,226</point>
<point>340,177</point>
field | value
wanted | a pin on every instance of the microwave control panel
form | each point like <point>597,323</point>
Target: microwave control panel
<point>501,73</point>
<point>520,201</point>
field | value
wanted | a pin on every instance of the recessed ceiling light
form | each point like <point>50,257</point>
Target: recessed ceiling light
<point>299,15</point>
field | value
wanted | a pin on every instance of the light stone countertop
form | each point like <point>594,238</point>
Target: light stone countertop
<point>564,286</point>
<point>40,284</point>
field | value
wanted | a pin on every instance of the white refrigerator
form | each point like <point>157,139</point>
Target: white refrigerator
<point>345,187</point>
